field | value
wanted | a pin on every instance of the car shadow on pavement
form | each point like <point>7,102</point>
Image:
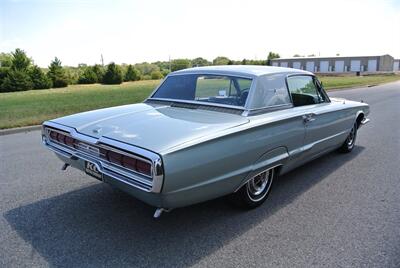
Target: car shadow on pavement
<point>98,226</point>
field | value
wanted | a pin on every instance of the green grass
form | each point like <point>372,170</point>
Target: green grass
<point>35,106</point>
<point>331,82</point>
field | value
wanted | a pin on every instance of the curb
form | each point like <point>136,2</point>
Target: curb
<point>10,131</point>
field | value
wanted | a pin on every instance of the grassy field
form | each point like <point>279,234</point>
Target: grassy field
<point>331,82</point>
<point>33,107</point>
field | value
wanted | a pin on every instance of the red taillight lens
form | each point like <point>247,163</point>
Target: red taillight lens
<point>61,137</point>
<point>53,135</point>
<point>143,167</point>
<point>129,162</point>
<point>114,157</point>
<point>69,141</point>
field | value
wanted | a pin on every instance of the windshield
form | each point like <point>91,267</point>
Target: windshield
<point>228,90</point>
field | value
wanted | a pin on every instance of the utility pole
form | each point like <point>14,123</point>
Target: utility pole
<point>169,59</point>
<point>102,60</point>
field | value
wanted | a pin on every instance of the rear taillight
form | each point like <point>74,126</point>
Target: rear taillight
<point>128,162</point>
<point>143,167</point>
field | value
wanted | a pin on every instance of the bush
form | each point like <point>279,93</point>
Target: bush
<point>88,76</point>
<point>16,80</point>
<point>57,74</point>
<point>132,74</point>
<point>180,64</point>
<point>113,74</point>
<point>156,75</point>
<point>222,61</point>
<point>39,79</point>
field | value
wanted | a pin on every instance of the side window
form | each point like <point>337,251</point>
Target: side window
<point>304,91</point>
<point>270,91</point>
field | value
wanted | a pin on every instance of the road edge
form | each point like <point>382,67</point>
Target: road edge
<point>9,131</point>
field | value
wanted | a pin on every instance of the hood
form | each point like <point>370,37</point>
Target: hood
<point>156,128</point>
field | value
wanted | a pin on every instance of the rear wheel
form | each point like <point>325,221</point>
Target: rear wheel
<point>348,145</point>
<point>256,190</point>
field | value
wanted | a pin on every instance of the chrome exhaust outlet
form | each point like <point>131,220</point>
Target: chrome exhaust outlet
<point>159,211</point>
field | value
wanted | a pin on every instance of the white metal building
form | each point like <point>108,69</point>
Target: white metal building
<point>384,63</point>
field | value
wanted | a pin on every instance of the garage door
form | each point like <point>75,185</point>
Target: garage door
<point>310,66</point>
<point>284,64</point>
<point>396,66</point>
<point>339,66</point>
<point>355,65</point>
<point>372,65</point>
<point>297,65</point>
<point>324,66</point>
<point>275,64</point>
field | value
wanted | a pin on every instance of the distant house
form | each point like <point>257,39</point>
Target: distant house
<point>384,63</point>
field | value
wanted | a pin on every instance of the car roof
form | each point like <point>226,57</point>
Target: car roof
<point>239,70</point>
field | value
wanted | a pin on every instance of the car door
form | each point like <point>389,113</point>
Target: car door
<point>324,124</point>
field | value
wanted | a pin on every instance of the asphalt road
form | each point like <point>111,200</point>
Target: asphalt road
<point>337,211</point>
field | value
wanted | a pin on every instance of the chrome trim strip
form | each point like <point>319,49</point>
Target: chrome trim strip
<point>151,183</point>
<point>204,103</point>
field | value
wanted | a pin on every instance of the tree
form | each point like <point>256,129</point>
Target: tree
<point>113,74</point>
<point>271,56</point>
<point>20,61</point>
<point>99,71</point>
<point>297,55</point>
<point>222,61</point>
<point>88,76</point>
<point>146,68</point>
<point>156,75</point>
<point>198,62</point>
<point>132,74</point>
<point>5,59</point>
<point>16,80</point>
<point>39,78</point>
<point>57,74</point>
<point>180,64</point>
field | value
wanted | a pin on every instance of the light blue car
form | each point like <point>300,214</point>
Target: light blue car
<point>208,132</point>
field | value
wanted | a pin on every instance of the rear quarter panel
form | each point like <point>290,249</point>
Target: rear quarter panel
<point>218,165</point>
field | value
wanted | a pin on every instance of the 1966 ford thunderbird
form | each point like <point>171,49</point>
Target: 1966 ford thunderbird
<point>208,132</point>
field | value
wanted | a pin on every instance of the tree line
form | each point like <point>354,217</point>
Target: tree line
<point>19,73</point>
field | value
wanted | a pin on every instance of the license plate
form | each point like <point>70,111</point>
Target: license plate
<point>92,170</point>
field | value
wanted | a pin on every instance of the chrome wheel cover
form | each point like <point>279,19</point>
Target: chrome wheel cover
<point>258,186</point>
<point>351,138</point>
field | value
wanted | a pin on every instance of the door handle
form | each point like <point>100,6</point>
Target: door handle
<point>308,118</point>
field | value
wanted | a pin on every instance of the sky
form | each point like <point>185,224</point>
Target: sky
<point>80,31</point>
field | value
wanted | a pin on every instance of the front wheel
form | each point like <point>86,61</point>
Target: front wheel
<point>348,145</point>
<point>256,190</point>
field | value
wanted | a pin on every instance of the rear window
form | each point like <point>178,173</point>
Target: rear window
<point>227,90</point>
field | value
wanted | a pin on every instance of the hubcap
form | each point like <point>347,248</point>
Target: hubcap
<point>258,186</point>
<point>350,139</point>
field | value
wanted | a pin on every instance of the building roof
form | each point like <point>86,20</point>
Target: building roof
<point>239,70</point>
